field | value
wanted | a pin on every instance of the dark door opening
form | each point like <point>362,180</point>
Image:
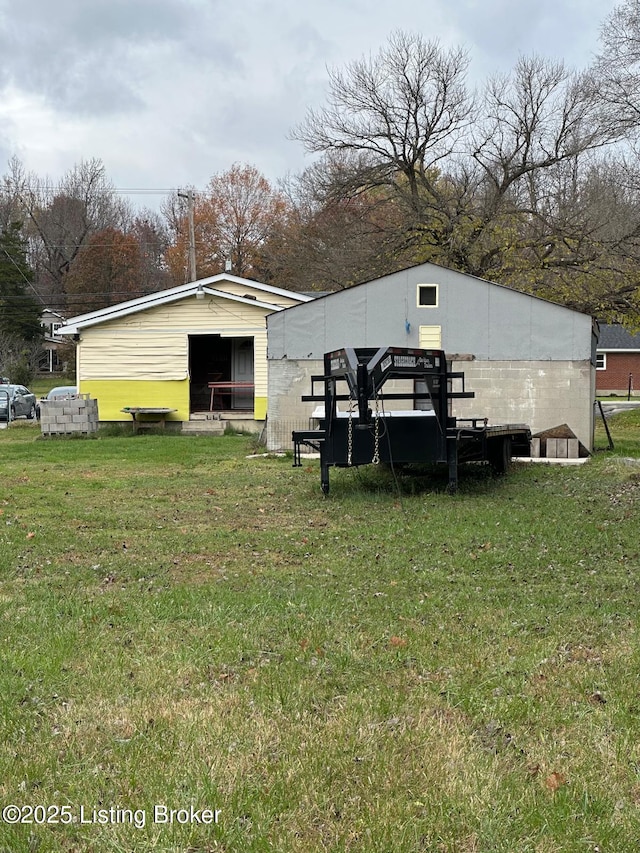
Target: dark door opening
<point>213,358</point>
<point>209,361</point>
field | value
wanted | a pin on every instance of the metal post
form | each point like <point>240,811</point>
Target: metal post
<point>190,196</point>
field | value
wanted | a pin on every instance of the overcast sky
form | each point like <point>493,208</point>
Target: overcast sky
<point>168,93</point>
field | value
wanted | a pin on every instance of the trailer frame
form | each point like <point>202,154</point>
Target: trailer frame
<point>368,433</point>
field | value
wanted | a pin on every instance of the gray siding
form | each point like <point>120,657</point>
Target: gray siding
<point>477,317</point>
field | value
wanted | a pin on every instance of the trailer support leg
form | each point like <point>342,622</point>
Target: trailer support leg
<point>452,461</point>
<point>324,477</point>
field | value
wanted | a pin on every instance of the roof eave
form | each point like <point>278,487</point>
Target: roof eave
<point>134,307</point>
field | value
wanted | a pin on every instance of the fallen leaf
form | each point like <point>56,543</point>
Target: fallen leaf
<point>30,535</point>
<point>397,642</point>
<point>555,781</point>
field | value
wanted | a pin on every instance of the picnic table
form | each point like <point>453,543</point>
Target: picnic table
<point>152,416</point>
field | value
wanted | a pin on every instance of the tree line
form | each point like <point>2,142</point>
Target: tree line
<point>532,180</point>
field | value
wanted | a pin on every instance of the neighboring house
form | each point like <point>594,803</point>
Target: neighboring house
<point>617,361</point>
<point>53,345</point>
<point>527,360</point>
<point>163,350</point>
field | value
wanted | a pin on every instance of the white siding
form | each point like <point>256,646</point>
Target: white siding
<point>154,344</point>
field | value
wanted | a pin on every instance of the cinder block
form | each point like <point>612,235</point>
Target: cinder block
<point>552,448</point>
<point>562,448</point>
<point>63,417</point>
<point>535,448</point>
<point>573,448</point>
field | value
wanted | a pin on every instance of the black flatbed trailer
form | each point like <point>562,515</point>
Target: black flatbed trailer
<point>368,433</point>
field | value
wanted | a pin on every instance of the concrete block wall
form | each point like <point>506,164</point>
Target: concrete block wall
<point>541,394</point>
<point>288,380</point>
<point>69,416</point>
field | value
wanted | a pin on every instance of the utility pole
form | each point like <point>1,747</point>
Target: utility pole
<point>190,196</point>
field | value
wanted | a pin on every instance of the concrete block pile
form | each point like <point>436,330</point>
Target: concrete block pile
<point>69,416</point>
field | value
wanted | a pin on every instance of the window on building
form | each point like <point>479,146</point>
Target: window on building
<point>601,361</point>
<point>428,295</point>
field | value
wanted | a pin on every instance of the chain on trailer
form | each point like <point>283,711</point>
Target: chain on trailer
<point>376,433</point>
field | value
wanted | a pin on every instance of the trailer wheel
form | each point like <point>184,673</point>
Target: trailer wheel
<point>500,454</point>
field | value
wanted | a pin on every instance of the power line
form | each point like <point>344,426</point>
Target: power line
<point>117,190</point>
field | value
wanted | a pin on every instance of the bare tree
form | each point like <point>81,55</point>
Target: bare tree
<point>493,185</point>
<point>399,114</point>
<point>617,67</point>
<point>540,126</point>
<point>60,217</point>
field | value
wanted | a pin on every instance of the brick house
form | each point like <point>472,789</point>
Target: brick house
<point>617,361</point>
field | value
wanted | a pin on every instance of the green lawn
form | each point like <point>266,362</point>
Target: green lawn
<point>389,669</point>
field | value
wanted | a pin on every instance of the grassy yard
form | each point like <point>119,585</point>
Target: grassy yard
<point>391,669</point>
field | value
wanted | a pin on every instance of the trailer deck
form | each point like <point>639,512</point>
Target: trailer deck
<point>368,432</point>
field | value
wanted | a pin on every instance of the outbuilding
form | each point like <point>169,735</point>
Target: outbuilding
<point>527,360</point>
<point>199,348</point>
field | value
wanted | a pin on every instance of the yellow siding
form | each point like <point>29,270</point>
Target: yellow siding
<point>128,354</point>
<point>143,359</point>
<point>112,396</point>
<point>260,364</point>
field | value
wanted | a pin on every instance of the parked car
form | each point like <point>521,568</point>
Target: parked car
<point>62,391</point>
<point>21,401</point>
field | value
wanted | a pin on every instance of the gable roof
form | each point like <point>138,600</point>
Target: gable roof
<point>183,291</point>
<point>429,266</point>
<point>616,337</point>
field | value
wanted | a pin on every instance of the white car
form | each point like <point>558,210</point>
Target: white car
<point>62,391</point>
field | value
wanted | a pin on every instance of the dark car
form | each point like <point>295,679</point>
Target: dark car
<point>21,401</point>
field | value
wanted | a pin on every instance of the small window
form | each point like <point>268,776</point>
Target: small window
<point>601,361</point>
<point>428,295</point>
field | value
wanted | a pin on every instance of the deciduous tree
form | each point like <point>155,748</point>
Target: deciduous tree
<point>492,185</point>
<point>20,310</point>
<point>61,217</point>
<point>107,270</point>
<point>233,218</point>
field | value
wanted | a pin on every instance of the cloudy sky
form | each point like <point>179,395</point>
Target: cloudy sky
<point>168,93</point>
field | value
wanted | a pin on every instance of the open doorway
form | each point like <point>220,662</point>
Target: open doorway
<point>213,358</point>
<point>242,372</point>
